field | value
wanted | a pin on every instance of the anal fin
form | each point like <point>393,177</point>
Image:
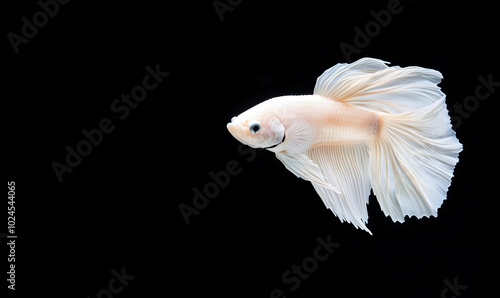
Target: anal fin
<point>346,167</point>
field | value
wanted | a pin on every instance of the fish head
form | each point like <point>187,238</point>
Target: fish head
<point>257,128</point>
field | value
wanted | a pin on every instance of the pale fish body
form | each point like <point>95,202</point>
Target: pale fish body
<point>366,126</point>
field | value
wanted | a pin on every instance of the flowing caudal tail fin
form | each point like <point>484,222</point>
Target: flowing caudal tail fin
<point>412,161</point>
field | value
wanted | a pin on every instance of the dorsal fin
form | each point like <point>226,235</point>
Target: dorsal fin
<point>370,84</point>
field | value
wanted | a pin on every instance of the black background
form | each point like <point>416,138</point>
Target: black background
<point>119,207</point>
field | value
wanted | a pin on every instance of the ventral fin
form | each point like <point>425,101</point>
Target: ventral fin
<point>303,167</point>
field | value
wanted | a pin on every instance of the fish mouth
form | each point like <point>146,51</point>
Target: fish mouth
<point>235,130</point>
<point>232,128</point>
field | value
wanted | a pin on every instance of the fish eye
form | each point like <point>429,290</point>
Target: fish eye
<point>255,127</point>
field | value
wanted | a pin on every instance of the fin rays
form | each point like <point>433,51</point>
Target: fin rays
<point>411,167</point>
<point>347,168</point>
<point>370,84</point>
<point>410,164</point>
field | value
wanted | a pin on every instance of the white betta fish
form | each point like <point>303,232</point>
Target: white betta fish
<point>366,126</point>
